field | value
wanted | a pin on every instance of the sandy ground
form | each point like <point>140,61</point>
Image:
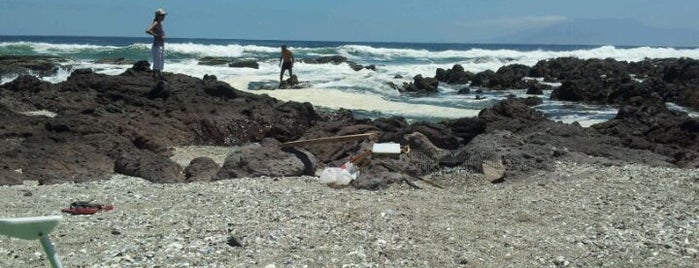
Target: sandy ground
<point>575,216</point>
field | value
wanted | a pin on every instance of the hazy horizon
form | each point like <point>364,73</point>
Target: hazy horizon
<point>546,22</point>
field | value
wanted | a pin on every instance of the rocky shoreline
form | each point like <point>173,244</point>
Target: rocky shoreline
<point>198,175</point>
<point>127,124</point>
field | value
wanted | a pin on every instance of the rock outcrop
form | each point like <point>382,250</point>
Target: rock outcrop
<point>93,125</point>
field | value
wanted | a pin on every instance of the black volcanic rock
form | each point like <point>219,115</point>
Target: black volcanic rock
<point>102,119</point>
<point>326,59</point>
<point>266,159</point>
<point>99,124</point>
<point>648,124</point>
<point>201,169</point>
<point>421,85</point>
<point>455,75</point>
<point>337,59</point>
<point>117,61</point>
<point>245,64</point>
<point>484,79</point>
<point>23,64</point>
<point>213,61</point>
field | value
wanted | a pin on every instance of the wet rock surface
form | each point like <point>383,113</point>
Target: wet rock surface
<point>34,65</point>
<point>129,123</point>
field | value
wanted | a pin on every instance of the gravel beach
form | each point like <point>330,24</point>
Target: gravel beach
<point>574,216</point>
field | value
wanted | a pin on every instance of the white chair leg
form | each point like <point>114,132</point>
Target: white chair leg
<point>50,251</point>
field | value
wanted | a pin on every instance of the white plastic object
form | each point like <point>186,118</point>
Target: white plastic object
<point>339,176</point>
<point>30,228</point>
<point>386,148</point>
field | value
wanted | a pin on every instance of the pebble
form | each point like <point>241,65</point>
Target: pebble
<point>296,221</point>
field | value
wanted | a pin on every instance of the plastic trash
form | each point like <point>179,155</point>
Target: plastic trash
<point>339,176</point>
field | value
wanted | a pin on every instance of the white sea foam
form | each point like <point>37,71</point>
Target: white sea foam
<point>53,49</point>
<point>583,122</point>
<point>6,79</point>
<point>627,54</point>
<point>336,99</point>
<point>219,50</point>
<point>335,86</point>
<point>45,113</point>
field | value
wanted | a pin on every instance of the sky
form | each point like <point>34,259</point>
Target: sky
<point>449,21</point>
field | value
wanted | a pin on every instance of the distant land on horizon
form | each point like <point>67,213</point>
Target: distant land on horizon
<point>619,32</point>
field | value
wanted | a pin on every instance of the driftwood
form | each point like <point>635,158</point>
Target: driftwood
<point>329,139</point>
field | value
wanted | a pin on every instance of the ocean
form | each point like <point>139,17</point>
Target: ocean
<point>364,92</point>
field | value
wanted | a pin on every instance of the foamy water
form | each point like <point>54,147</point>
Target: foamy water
<point>338,86</point>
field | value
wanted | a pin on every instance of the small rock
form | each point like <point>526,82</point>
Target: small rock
<point>560,261</point>
<point>233,242</point>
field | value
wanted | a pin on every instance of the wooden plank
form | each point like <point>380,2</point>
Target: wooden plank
<point>353,137</point>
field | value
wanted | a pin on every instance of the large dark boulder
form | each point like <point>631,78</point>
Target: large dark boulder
<point>568,68</point>
<point>337,59</point>
<point>421,85</point>
<point>555,69</point>
<point>10,177</point>
<point>507,77</point>
<point>601,90</point>
<point>466,128</point>
<point>326,59</point>
<point>141,66</point>
<point>511,115</point>
<point>689,97</point>
<point>214,61</point>
<point>484,79</point>
<point>245,64</point>
<point>683,74</point>
<point>511,77</point>
<point>536,88</point>
<point>24,65</point>
<point>438,134</point>
<point>646,123</point>
<point>455,75</point>
<point>201,169</point>
<point>27,83</point>
<point>266,159</point>
<point>58,157</point>
<point>150,166</point>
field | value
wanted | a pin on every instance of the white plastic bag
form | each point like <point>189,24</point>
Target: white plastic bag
<point>339,176</point>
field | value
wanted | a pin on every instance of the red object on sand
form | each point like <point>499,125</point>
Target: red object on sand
<point>86,208</point>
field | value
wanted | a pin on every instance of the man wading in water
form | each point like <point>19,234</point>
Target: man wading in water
<point>286,61</point>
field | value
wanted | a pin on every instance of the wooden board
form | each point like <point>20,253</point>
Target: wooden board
<point>330,139</point>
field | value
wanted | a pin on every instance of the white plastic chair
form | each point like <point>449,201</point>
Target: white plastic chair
<point>31,228</point>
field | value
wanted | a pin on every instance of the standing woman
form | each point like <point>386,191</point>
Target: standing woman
<point>158,47</point>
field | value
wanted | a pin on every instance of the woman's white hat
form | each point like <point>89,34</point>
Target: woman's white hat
<point>160,11</point>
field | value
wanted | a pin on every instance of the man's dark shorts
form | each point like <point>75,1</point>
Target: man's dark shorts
<point>286,66</point>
